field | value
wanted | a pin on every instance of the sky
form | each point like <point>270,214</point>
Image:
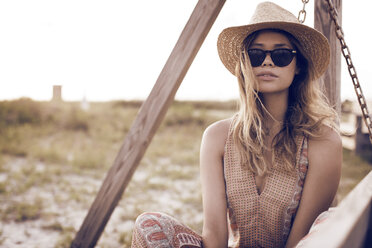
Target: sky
<point>115,50</point>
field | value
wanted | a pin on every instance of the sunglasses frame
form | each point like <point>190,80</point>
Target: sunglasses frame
<point>292,52</point>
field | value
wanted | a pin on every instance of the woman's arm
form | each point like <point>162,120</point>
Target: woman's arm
<point>321,183</point>
<point>215,232</point>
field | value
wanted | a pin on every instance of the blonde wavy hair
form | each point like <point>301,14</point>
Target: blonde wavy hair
<point>308,110</point>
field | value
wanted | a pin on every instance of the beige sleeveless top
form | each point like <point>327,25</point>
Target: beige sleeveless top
<point>262,220</point>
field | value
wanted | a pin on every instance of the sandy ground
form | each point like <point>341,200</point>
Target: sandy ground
<point>62,216</point>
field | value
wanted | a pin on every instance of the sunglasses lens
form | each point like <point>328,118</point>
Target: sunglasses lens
<point>282,57</point>
<point>256,57</point>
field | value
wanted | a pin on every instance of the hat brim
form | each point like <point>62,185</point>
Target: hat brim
<point>315,45</point>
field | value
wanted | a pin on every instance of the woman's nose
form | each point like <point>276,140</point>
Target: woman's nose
<point>268,61</point>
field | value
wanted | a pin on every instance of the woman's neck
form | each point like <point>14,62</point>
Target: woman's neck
<point>276,104</point>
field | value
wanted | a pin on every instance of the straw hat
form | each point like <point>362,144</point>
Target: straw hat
<point>271,16</point>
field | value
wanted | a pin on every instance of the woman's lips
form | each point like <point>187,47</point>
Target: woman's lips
<point>266,75</point>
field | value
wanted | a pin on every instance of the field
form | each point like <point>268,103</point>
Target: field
<point>54,157</point>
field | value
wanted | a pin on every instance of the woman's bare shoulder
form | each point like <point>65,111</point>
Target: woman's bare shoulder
<point>216,134</point>
<point>327,147</point>
<point>328,136</point>
<point>219,129</point>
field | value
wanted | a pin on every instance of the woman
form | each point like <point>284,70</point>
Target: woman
<point>274,166</point>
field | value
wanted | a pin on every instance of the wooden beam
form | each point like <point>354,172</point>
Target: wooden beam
<point>147,122</point>
<point>350,225</point>
<point>324,24</point>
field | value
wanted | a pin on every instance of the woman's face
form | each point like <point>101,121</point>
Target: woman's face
<point>272,78</point>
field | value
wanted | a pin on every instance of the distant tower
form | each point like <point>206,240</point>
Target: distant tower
<point>57,93</point>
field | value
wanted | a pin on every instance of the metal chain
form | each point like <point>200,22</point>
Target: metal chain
<point>302,14</point>
<point>346,53</point>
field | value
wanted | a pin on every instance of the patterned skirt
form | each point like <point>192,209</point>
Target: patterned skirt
<point>160,230</point>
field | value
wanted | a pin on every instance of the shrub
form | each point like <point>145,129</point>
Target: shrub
<point>21,111</point>
<point>77,120</point>
<point>23,211</point>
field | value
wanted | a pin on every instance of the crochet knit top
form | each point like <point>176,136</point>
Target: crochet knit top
<point>262,220</point>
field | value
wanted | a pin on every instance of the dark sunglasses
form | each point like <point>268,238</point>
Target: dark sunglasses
<point>281,57</point>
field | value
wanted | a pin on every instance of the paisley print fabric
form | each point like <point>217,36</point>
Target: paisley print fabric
<point>158,230</point>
